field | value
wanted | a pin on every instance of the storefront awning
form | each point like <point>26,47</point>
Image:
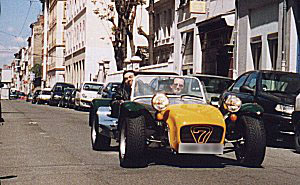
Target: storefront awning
<point>216,22</point>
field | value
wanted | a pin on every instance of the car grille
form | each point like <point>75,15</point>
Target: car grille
<point>201,134</point>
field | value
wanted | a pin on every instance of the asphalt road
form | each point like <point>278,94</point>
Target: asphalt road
<point>40,144</point>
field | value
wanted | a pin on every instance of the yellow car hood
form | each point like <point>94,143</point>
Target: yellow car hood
<point>179,115</point>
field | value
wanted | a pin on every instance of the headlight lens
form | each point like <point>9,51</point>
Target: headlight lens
<point>284,108</point>
<point>84,96</point>
<point>232,103</point>
<point>160,102</point>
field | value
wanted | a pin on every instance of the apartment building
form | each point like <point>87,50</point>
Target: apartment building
<point>203,36</point>
<point>164,28</point>
<point>268,35</point>
<point>88,42</point>
<point>55,41</point>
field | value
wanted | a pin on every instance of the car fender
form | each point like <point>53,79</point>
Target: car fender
<point>96,103</point>
<point>252,109</point>
<point>296,117</point>
<point>132,109</point>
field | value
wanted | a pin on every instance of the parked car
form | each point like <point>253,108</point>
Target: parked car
<point>57,91</point>
<point>109,89</point>
<point>29,97</point>
<point>181,122</point>
<point>215,86</point>
<point>21,95</point>
<point>86,93</point>
<point>296,123</point>
<point>67,95</point>
<point>44,96</point>
<point>274,91</point>
<point>71,102</point>
<point>35,95</point>
<point>13,95</point>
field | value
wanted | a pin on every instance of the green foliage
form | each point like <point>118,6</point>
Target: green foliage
<point>37,70</point>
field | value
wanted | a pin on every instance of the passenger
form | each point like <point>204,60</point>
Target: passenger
<point>177,86</point>
<point>123,93</point>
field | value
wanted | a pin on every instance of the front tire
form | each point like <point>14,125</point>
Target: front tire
<point>297,137</point>
<point>99,141</point>
<point>132,143</point>
<point>250,150</point>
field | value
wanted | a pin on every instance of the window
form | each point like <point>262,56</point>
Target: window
<point>239,83</point>
<point>273,48</point>
<point>256,46</point>
<point>251,80</point>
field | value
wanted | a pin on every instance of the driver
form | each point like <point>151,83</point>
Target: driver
<point>177,86</point>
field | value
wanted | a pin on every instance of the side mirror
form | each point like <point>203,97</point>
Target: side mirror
<point>246,89</point>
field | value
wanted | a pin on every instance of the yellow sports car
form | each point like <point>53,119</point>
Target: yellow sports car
<point>164,111</point>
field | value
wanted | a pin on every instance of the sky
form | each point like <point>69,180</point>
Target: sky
<point>15,19</point>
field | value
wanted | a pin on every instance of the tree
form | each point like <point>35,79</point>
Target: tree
<point>122,29</point>
<point>37,70</point>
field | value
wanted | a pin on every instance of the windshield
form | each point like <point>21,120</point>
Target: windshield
<point>281,83</point>
<point>46,93</point>
<point>145,85</point>
<point>215,85</point>
<point>92,87</point>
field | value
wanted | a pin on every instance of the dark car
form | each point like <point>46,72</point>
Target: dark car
<point>22,96</point>
<point>57,92</point>
<point>13,95</point>
<point>109,89</point>
<point>214,85</point>
<point>296,122</point>
<point>71,101</point>
<point>67,95</point>
<point>34,96</point>
<point>275,91</point>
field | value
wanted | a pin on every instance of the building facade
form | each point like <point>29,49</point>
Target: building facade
<point>268,35</point>
<point>88,42</point>
<point>56,42</point>
<point>203,35</point>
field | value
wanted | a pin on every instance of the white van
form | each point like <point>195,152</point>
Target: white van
<point>86,93</point>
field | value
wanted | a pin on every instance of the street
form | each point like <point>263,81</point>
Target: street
<point>41,144</point>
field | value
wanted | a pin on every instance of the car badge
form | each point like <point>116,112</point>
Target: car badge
<point>201,134</point>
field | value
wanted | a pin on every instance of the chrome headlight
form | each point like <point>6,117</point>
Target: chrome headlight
<point>232,103</point>
<point>284,108</point>
<point>160,102</point>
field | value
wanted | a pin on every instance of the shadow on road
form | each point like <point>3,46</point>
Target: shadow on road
<point>282,141</point>
<point>189,161</point>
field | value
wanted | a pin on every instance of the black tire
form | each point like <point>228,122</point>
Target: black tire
<point>99,141</point>
<point>132,143</point>
<point>297,137</point>
<point>251,150</point>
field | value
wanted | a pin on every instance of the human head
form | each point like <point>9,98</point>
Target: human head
<point>177,86</point>
<point>128,78</point>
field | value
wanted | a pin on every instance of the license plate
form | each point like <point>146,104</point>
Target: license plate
<point>196,148</point>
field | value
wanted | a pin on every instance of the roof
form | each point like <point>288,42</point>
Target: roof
<point>272,71</point>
